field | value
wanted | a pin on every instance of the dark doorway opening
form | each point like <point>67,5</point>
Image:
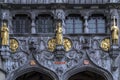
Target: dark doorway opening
<point>86,75</point>
<point>34,76</point>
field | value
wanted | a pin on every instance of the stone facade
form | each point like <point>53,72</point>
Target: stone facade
<point>86,53</point>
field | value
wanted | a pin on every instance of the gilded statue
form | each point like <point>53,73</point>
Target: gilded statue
<point>67,44</point>
<point>5,34</point>
<point>59,40</point>
<point>13,45</point>
<point>105,44</point>
<point>115,33</point>
<point>51,44</point>
<point>59,35</point>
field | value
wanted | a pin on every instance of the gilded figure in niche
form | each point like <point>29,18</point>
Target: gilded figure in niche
<point>105,44</point>
<point>67,44</point>
<point>51,44</point>
<point>115,33</point>
<point>13,45</point>
<point>59,35</point>
<point>5,34</point>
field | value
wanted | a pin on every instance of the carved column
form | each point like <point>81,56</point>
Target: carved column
<point>10,26</point>
<point>86,30</point>
<point>2,74</point>
<point>4,55</point>
<point>5,20</point>
<point>115,47</point>
<point>33,29</point>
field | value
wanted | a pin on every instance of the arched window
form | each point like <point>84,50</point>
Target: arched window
<point>44,24</point>
<point>21,24</point>
<point>97,24</point>
<point>74,24</point>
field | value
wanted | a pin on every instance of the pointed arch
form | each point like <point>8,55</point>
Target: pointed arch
<point>14,75</point>
<point>99,71</point>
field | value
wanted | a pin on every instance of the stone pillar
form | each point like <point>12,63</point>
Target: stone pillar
<point>86,30</point>
<point>5,48</point>
<point>33,25</point>
<point>115,47</point>
<point>10,26</point>
<point>2,74</point>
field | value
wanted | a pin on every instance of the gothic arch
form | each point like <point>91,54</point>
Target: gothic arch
<point>101,72</point>
<point>67,13</point>
<point>45,13</point>
<point>21,12</point>
<point>102,12</point>
<point>14,75</point>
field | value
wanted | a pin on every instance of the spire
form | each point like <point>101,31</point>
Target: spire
<point>114,21</point>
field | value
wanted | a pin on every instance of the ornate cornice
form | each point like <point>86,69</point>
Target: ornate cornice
<point>60,6</point>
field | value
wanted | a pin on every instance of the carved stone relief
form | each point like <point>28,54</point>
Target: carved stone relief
<point>49,60</point>
<point>15,61</point>
<point>98,56</point>
<point>57,61</point>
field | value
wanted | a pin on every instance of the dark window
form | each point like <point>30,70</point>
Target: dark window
<point>44,24</point>
<point>21,24</point>
<point>97,24</point>
<point>74,24</point>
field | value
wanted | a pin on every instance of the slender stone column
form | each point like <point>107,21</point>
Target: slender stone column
<point>10,26</point>
<point>5,48</point>
<point>115,47</point>
<point>33,29</point>
<point>2,74</point>
<point>86,30</point>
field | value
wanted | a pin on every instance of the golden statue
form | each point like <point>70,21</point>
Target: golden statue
<point>59,40</point>
<point>105,44</point>
<point>52,44</point>
<point>59,35</point>
<point>115,33</point>
<point>14,45</point>
<point>67,44</point>
<point>5,34</point>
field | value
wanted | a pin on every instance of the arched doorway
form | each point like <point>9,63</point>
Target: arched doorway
<point>86,75</point>
<point>34,76</point>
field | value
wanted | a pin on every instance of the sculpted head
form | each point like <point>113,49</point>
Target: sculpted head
<point>4,24</point>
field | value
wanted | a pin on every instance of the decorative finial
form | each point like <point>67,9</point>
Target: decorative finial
<point>114,21</point>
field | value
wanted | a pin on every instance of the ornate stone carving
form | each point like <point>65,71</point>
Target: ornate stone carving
<point>59,66</point>
<point>15,61</point>
<point>58,61</point>
<point>59,14</point>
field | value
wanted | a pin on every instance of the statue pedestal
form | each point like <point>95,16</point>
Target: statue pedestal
<point>114,47</point>
<point>59,52</point>
<point>5,52</point>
